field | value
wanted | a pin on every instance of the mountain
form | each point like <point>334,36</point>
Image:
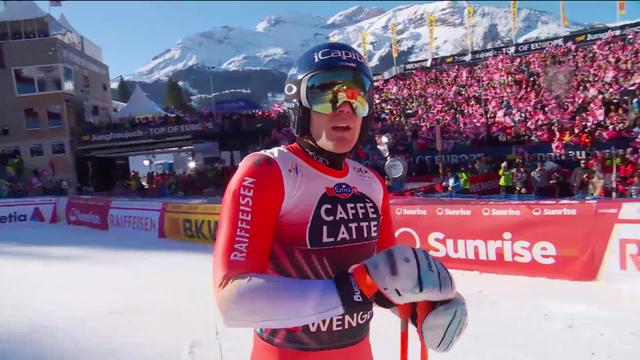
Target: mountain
<point>277,40</point>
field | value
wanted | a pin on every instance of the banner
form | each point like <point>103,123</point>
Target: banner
<point>486,184</point>
<point>551,239</point>
<point>469,24</point>
<point>27,211</point>
<point>394,43</point>
<point>431,22</point>
<point>534,152</point>
<point>144,133</point>
<point>193,222</point>
<point>88,211</point>
<point>622,257</point>
<point>514,19</point>
<point>365,46</point>
<point>622,8</point>
<point>563,15</point>
<point>135,218</point>
<point>580,39</point>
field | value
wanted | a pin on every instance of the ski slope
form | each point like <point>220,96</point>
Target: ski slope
<point>77,293</point>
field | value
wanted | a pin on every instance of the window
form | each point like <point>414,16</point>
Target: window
<point>69,79</point>
<point>57,148</point>
<point>42,27</point>
<point>54,115</point>
<point>40,79</point>
<point>4,31</point>
<point>15,27</point>
<point>36,150</point>
<point>32,120</point>
<point>48,78</point>
<point>104,87</point>
<point>29,27</point>
<point>95,110</point>
<point>13,151</point>
<point>85,81</point>
<point>25,80</point>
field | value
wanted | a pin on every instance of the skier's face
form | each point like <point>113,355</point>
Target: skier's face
<point>336,132</point>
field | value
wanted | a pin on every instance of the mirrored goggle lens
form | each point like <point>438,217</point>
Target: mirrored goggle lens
<point>326,91</point>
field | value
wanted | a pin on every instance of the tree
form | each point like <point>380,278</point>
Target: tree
<point>123,91</point>
<point>175,96</point>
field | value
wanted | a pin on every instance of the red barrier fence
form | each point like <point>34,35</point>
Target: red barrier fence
<point>554,239</point>
<point>88,211</point>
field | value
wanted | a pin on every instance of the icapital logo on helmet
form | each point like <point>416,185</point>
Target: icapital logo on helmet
<point>334,53</point>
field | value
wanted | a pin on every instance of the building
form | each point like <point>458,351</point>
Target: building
<point>53,80</point>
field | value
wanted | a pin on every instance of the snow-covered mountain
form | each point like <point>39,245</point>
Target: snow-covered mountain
<point>278,40</point>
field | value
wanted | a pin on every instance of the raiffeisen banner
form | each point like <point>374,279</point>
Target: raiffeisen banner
<point>135,218</point>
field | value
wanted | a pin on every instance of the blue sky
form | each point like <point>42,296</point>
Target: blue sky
<point>132,32</point>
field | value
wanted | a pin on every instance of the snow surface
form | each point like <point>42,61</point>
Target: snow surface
<point>75,293</point>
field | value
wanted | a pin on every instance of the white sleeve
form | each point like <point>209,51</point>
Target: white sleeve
<point>270,301</point>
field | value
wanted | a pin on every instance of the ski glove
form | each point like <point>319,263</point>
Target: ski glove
<point>397,275</point>
<point>439,323</point>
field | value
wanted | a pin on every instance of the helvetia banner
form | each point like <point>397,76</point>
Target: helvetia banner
<point>27,211</point>
<point>553,239</point>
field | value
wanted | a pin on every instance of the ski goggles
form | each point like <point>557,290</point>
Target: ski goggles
<point>325,91</point>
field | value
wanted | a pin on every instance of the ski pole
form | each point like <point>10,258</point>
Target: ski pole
<point>404,338</point>
<point>424,353</point>
<point>404,311</point>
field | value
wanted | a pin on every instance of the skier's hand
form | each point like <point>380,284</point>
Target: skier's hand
<point>398,275</point>
<point>440,324</point>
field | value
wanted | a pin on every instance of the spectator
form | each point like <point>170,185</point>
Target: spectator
<point>506,178</point>
<point>36,188</point>
<point>520,179</point>
<point>580,179</point>
<point>596,183</point>
<point>633,190</point>
<point>540,180</point>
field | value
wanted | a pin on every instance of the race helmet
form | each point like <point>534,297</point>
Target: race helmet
<point>322,79</point>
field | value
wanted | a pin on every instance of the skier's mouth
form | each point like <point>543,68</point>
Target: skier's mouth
<point>341,128</point>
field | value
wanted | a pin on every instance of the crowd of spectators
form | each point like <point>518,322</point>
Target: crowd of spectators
<point>16,182</point>
<point>592,177</point>
<point>208,180</point>
<point>562,95</point>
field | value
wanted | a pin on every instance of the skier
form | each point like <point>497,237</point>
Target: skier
<point>305,245</point>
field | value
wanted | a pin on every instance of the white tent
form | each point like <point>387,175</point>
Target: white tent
<point>64,22</point>
<point>139,105</point>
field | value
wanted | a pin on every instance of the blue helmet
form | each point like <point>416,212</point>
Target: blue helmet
<point>322,58</point>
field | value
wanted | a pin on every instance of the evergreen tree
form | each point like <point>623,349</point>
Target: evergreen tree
<point>123,91</point>
<point>175,96</point>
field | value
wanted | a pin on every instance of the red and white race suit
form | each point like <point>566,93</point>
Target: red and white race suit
<point>288,225</point>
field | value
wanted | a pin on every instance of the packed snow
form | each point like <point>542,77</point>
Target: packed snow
<point>77,293</point>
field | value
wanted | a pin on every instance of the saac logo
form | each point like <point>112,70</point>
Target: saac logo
<point>343,216</point>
